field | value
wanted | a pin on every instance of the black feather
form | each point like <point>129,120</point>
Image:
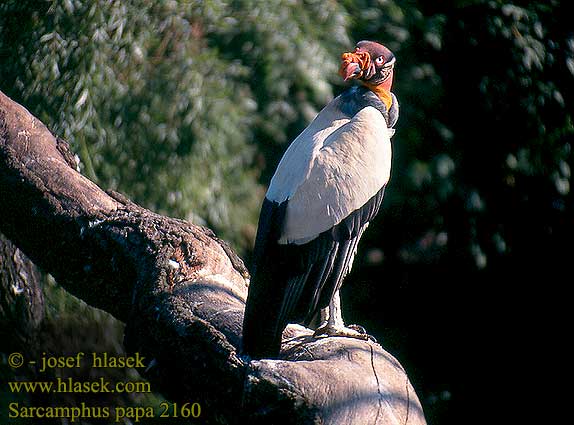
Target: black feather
<point>289,282</point>
<point>261,330</point>
<point>359,97</point>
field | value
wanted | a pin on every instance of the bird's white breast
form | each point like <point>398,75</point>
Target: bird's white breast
<point>332,169</point>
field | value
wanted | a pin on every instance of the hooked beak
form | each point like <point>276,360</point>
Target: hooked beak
<point>354,64</point>
<point>352,70</point>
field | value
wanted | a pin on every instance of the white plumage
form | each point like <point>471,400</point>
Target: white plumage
<point>344,165</point>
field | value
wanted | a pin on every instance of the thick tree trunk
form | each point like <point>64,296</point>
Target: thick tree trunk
<point>21,298</point>
<point>181,292</point>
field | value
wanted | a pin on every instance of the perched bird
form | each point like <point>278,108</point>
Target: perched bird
<point>327,188</point>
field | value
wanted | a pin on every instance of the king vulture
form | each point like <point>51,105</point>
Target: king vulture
<point>327,188</point>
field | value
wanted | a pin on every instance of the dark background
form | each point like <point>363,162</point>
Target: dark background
<point>187,108</point>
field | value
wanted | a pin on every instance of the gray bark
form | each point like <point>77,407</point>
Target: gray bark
<point>21,298</point>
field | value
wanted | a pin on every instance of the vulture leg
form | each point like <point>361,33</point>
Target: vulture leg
<point>332,322</point>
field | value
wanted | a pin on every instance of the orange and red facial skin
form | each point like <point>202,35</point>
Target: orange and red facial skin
<point>362,64</point>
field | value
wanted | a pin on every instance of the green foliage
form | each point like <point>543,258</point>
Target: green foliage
<point>484,90</point>
<point>517,125</point>
<point>165,101</point>
<point>153,111</point>
<point>187,106</point>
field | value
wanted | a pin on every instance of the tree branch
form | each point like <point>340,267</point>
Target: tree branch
<point>181,292</point>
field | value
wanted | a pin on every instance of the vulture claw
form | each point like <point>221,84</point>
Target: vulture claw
<point>348,332</point>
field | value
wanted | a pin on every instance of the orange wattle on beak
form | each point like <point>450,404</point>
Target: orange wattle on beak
<point>353,65</point>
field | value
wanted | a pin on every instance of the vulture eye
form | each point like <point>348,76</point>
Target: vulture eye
<point>380,60</point>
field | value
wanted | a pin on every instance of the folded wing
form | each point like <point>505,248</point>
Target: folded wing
<point>327,188</point>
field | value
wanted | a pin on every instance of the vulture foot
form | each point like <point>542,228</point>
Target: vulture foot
<point>352,331</point>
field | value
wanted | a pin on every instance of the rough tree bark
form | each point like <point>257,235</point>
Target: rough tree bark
<point>21,298</point>
<point>181,292</point>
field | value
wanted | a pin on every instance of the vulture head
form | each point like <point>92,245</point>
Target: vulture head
<point>371,63</point>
